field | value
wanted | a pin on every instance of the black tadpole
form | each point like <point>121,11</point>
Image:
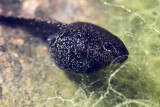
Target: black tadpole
<point>78,47</point>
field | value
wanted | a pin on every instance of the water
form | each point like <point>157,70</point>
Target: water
<point>30,78</point>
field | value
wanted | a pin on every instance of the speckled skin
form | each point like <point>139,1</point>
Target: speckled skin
<point>77,47</point>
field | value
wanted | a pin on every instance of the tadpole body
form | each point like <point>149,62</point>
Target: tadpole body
<point>78,47</point>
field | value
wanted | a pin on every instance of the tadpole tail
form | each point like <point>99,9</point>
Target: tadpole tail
<point>37,28</point>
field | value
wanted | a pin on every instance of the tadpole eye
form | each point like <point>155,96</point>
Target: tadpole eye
<point>108,46</point>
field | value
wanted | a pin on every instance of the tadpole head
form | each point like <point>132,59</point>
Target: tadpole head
<point>113,48</point>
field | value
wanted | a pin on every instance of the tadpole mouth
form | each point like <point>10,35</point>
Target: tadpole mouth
<point>120,59</point>
<point>121,56</point>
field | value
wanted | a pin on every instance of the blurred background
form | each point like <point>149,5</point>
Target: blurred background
<point>29,78</point>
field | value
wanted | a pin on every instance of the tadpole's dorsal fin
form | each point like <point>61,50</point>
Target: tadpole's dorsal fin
<point>36,27</point>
